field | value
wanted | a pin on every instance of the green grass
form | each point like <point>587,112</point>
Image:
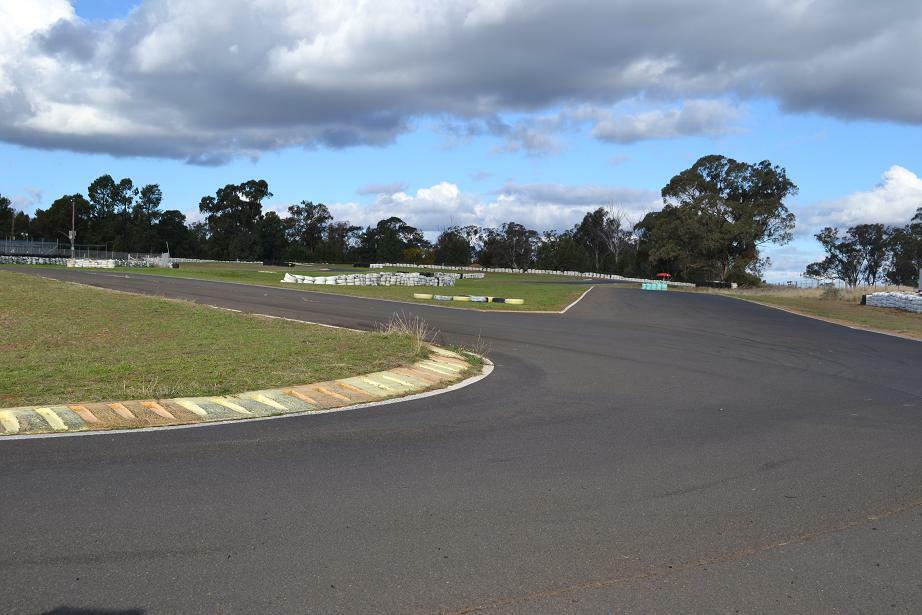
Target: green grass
<point>62,342</point>
<point>540,292</point>
<point>842,307</point>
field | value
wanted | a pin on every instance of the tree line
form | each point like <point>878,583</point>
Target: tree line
<point>716,217</point>
<point>871,253</point>
<point>115,214</point>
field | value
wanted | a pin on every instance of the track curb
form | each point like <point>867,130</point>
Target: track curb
<point>442,371</point>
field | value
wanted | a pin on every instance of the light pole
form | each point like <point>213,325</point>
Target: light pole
<point>73,228</point>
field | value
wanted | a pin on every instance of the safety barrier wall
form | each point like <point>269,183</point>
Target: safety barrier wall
<point>97,263</point>
<point>211,260</point>
<point>900,301</point>
<point>375,279</point>
<point>32,260</point>
<point>579,274</point>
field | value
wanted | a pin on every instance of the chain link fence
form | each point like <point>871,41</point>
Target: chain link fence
<point>25,251</point>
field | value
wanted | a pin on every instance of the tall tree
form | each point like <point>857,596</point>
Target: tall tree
<point>513,246</point>
<point>389,239</point>
<point>54,223</point>
<point>339,242</point>
<point>873,242</point>
<point>906,253</point>
<point>144,216</point>
<point>843,261</point>
<point>272,236</point>
<point>308,224</point>
<point>14,224</point>
<point>600,233</point>
<point>175,237</point>
<point>681,241</point>
<point>7,215</point>
<point>740,207</point>
<point>232,218</point>
<point>561,252</point>
<point>22,224</point>
<point>111,210</point>
<point>520,243</point>
<point>452,247</point>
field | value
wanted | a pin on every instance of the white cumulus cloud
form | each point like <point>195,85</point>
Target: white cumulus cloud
<point>695,117</point>
<point>893,201</point>
<point>208,80</point>
<point>538,206</point>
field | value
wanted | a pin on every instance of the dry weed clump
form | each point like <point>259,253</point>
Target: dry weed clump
<point>414,326</point>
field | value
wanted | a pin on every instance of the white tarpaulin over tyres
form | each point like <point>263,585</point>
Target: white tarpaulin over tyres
<point>899,301</point>
<point>375,279</point>
<point>578,274</point>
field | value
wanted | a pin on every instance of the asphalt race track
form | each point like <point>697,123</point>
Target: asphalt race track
<point>645,452</point>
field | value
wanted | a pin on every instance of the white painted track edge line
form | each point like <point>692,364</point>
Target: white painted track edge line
<point>486,371</point>
<point>578,299</point>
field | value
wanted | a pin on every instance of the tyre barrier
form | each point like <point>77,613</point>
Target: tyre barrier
<point>421,296</point>
<point>375,279</point>
<point>653,286</point>
<point>481,270</point>
<point>442,297</point>
<point>32,260</point>
<point>107,263</point>
<point>907,302</point>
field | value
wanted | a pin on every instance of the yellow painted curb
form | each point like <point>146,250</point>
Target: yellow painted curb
<point>52,418</point>
<point>9,422</point>
<point>223,401</point>
<point>192,407</point>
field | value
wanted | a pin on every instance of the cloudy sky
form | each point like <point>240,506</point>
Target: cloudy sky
<point>466,111</point>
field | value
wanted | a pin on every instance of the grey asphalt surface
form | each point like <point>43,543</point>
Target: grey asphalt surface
<point>645,452</point>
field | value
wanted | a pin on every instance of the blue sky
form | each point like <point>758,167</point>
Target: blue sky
<point>534,156</point>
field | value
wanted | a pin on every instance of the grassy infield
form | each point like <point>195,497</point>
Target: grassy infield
<point>543,292</point>
<point>63,342</point>
<point>69,343</point>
